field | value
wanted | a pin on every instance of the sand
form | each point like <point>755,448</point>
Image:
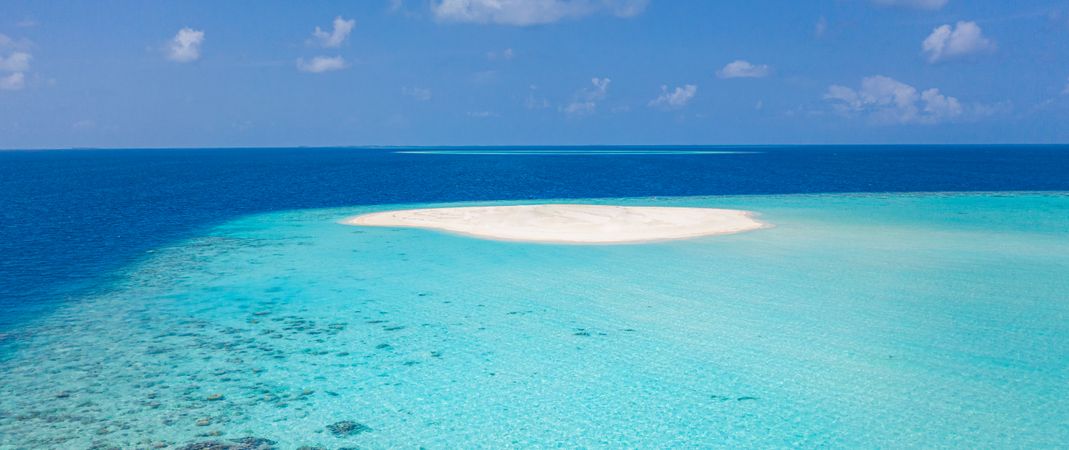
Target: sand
<point>566,223</point>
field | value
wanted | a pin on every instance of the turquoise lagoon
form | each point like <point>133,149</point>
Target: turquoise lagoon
<point>898,320</point>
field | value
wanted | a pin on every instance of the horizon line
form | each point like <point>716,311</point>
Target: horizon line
<point>530,146</point>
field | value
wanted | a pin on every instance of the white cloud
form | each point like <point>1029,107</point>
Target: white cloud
<point>12,44</point>
<point>586,101</point>
<point>580,108</point>
<point>505,54</point>
<point>530,12</point>
<point>625,8</point>
<point>674,99</point>
<point>421,94</point>
<point>534,101</point>
<point>83,125</point>
<point>7,42</point>
<point>1066,90</point>
<point>601,87</point>
<point>337,36</point>
<point>484,76</point>
<point>743,69</point>
<point>185,46</point>
<point>482,114</point>
<point>886,100</point>
<point>938,105</point>
<point>321,64</point>
<point>931,5</point>
<point>964,38</point>
<point>15,62</point>
<point>13,82</point>
<point>400,7</point>
<point>820,27</point>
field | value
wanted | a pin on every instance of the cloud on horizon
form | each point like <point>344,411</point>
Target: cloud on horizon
<point>674,99</point>
<point>530,12</point>
<point>586,101</point>
<point>885,100</point>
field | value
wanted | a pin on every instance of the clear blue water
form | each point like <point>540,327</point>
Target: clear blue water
<point>193,296</point>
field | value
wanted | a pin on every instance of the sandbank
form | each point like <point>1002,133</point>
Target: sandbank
<point>569,223</point>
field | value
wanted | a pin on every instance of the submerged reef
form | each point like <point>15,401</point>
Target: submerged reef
<point>347,428</point>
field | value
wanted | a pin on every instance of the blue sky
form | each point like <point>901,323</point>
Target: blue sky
<point>487,72</point>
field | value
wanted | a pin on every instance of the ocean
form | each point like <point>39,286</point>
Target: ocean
<point>905,296</point>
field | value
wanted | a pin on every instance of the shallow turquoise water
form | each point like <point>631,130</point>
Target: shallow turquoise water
<point>857,321</point>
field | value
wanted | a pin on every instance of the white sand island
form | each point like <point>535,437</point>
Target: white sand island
<point>566,223</point>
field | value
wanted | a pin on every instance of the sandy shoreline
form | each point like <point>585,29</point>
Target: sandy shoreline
<point>567,223</point>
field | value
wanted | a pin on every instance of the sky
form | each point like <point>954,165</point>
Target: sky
<point>535,72</point>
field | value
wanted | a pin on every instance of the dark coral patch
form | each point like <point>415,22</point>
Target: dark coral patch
<point>347,428</point>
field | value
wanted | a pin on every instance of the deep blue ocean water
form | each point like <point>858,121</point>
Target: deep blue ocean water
<point>192,299</point>
<point>70,217</point>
